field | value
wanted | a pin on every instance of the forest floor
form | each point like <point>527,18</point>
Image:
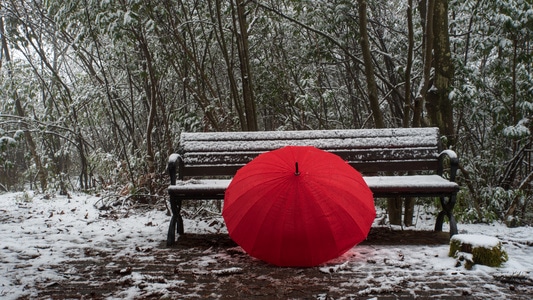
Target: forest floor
<point>66,249</point>
<point>213,266</point>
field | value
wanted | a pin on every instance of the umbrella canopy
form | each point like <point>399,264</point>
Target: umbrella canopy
<point>298,206</point>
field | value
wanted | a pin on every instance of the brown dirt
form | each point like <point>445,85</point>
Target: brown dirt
<point>212,266</point>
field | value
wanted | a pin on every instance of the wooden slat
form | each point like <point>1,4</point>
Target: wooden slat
<point>326,144</point>
<point>363,167</point>
<point>429,132</point>
<point>381,186</point>
<point>350,155</point>
<point>326,140</point>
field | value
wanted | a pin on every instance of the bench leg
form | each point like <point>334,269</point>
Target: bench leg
<point>175,221</point>
<point>447,211</point>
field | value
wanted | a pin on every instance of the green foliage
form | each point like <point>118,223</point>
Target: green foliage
<point>492,98</point>
<point>86,73</point>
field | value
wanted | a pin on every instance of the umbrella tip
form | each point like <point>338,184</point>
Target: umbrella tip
<point>297,171</point>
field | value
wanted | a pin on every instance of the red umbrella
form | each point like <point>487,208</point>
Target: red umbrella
<point>298,206</point>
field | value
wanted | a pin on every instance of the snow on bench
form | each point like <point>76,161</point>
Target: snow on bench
<point>205,163</point>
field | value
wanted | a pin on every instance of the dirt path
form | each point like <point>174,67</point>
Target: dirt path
<point>212,266</point>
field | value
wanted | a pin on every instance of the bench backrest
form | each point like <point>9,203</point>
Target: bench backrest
<point>367,150</point>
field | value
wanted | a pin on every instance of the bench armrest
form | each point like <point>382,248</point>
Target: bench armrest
<point>175,164</point>
<point>454,163</point>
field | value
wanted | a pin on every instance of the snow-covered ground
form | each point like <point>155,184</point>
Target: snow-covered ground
<point>36,233</point>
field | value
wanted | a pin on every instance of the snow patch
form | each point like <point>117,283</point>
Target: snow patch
<point>477,240</point>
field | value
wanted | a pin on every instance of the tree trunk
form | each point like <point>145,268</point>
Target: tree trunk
<point>394,209</point>
<point>408,214</point>
<point>41,173</point>
<point>409,203</point>
<point>439,105</point>
<point>410,49</point>
<point>152,92</point>
<point>369,67</point>
<point>246,74</point>
<point>229,65</point>
<point>426,14</point>
<point>394,204</point>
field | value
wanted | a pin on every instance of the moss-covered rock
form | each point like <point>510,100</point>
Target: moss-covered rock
<point>485,250</point>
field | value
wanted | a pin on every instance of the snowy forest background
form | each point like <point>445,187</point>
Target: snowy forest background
<point>94,94</point>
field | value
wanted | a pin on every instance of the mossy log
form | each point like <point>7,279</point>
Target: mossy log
<point>484,250</point>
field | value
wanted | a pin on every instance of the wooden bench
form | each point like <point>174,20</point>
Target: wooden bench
<point>387,158</point>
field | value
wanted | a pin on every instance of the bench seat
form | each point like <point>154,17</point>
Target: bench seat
<point>381,186</point>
